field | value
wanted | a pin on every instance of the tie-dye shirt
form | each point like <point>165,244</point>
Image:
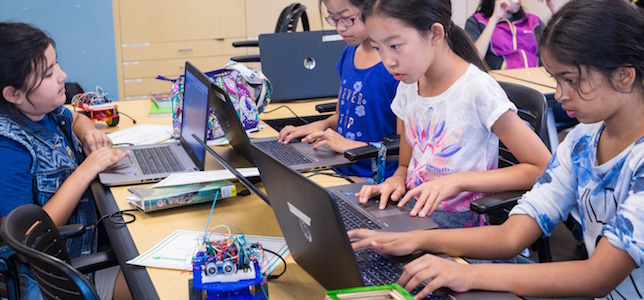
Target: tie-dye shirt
<point>609,198</point>
<point>452,132</point>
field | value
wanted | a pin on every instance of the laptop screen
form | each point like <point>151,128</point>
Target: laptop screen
<point>195,103</point>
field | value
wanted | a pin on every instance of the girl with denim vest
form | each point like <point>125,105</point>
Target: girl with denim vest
<point>504,34</point>
<point>598,169</point>
<point>52,153</point>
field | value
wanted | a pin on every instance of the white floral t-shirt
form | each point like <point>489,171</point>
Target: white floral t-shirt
<point>451,132</point>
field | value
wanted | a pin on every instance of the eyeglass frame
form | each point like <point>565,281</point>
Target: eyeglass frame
<point>335,22</point>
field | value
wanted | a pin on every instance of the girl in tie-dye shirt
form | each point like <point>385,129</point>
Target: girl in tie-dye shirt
<point>454,115</point>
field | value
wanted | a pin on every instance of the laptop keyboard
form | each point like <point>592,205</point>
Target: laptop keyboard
<point>157,160</point>
<point>379,269</point>
<point>353,218</point>
<point>287,155</point>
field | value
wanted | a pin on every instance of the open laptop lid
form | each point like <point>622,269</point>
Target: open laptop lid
<point>301,65</point>
<point>196,93</point>
<point>230,123</point>
<point>310,223</point>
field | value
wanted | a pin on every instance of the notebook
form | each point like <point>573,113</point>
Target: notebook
<point>184,155</point>
<point>301,65</point>
<point>299,156</point>
<point>315,232</point>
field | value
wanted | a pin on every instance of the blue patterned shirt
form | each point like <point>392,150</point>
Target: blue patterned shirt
<point>608,197</point>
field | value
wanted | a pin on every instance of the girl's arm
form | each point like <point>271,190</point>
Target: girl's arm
<point>525,145</point>
<point>594,277</point>
<point>64,201</point>
<point>91,137</point>
<point>483,42</point>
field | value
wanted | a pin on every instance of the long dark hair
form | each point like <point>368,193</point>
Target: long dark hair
<point>575,37</point>
<point>487,8</point>
<point>421,15</point>
<point>22,52</point>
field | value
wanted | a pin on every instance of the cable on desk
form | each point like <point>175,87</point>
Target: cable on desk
<point>345,177</point>
<point>113,219</point>
<point>122,113</point>
<point>284,106</point>
<point>283,261</point>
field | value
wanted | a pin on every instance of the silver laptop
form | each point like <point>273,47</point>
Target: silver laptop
<point>151,163</point>
<point>301,65</point>
<point>314,227</point>
<point>299,156</point>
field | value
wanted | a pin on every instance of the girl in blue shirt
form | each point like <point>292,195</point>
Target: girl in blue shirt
<point>363,113</point>
<point>53,153</point>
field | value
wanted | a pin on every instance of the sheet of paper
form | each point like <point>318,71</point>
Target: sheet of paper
<point>176,251</point>
<point>203,176</point>
<point>143,134</point>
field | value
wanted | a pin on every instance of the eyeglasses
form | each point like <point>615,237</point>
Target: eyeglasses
<point>345,22</point>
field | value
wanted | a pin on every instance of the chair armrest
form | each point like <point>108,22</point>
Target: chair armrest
<point>71,231</point>
<point>246,44</point>
<point>99,260</point>
<point>496,201</point>
<point>246,58</point>
<point>392,143</point>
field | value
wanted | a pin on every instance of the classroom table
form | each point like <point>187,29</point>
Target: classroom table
<point>249,213</point>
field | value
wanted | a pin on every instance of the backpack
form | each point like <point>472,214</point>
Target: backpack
<point>249,90</point>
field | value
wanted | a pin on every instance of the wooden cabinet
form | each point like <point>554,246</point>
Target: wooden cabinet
<point>156,37</point>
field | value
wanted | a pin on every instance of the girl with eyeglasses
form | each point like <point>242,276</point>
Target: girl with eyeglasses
<point>363,113</point>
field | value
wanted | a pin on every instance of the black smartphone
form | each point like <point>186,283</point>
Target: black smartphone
<point>326,107</point>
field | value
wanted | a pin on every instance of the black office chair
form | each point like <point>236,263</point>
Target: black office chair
<point>287,22</point>
<point>30,232</point>
<point>532,108</point>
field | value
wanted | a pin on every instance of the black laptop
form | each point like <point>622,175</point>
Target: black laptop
<point>315,231</point>
<point>301,65</point>
<point>296,155</point>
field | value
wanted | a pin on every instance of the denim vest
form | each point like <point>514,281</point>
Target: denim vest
<point>51,165</point>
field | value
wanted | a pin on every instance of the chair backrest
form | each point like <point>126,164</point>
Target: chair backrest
<point>30,232</point>
<point>532,109</point>
<point>290,17</point>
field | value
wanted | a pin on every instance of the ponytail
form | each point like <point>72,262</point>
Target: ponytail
<point>421,15</point>
<point>461,43</point>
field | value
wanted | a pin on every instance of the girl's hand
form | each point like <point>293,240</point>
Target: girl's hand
<point>290,132</point>
<point>500,9</point>
<point>393,188</point>
<point>99,160</point>
<point>95,139</point>
<point>390,243</point>
<point>440,272</point>
<point>331,139</point>
<point>431,194</point>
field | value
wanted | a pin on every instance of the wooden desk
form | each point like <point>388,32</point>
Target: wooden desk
<point>537,77</point>
<point>249,213</point>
